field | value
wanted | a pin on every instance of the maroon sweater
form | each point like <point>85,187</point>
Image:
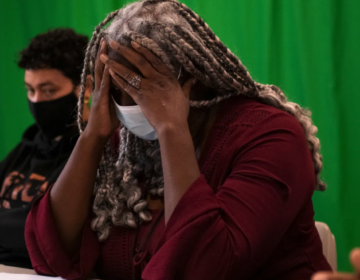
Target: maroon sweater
<point>248,216</point>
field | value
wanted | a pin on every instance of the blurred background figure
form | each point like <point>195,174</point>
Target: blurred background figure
<point>52,63</point>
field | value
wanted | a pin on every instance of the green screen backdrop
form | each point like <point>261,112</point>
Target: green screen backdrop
<point>309,48</point>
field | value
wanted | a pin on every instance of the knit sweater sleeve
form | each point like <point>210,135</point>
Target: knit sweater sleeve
<point>45,250</point>
<point>230,233</point>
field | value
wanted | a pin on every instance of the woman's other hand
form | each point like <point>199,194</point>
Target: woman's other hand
<point>355,260</point>
<point>102,121</point>
<point>163,101</point>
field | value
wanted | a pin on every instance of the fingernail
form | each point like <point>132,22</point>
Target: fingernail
<point>104,58</point>
<point>135,45</point>
<point>115,45</point>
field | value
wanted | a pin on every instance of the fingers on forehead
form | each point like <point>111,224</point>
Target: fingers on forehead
<point>149,55</point>
<point>119,82</point>
<point>134,58</point>
<point>102,47</point>
<point>99,65</point>
<point>102,50</point>
<point>123,50</point>
<point>120,69</point>
<point>155,61</point>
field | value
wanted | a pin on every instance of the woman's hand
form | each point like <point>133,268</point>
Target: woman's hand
<point>163,101</point>
<point>355,260</point>
<point>102,121</point>
<point>166,106</point>
<point>72,194</point>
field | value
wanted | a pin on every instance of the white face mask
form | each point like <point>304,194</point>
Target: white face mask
<point>134,120</point>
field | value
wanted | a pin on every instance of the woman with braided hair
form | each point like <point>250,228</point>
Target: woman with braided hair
<point>186,169</point>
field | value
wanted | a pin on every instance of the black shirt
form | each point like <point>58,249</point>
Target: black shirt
<point>25,174</point>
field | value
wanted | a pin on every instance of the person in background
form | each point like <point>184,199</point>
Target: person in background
<point>52,63</point>
<point>355,260</point>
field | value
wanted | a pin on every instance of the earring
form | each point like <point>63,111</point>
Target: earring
<point>86,100</point>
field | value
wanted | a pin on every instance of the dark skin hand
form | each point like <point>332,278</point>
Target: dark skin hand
<point>159,97</point>
<point>199,120</point>
<point>71,195</point>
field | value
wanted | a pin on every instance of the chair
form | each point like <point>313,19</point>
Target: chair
<point>328,242</point>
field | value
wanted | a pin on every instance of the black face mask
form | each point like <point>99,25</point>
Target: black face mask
<point>55,117</point>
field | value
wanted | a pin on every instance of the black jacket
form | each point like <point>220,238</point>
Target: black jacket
<point>26,173</point>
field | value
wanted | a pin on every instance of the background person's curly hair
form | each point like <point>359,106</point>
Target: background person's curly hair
<point>62,49</point>
<point>181,39</point>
